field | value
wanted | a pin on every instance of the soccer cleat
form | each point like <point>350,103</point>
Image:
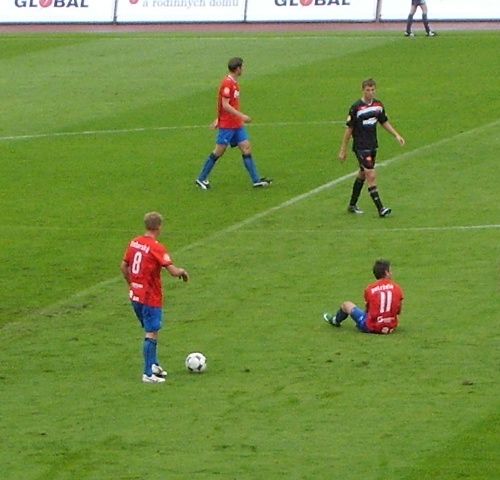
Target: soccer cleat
<point>384,212</point>
<point>354,209</point>
<point>263,182</point>
<point>203,184</point>
<point>158,371</point>
<point>409,34</point>
<point>152,379</point>
<point>430,33</point>
<point>331,319</point>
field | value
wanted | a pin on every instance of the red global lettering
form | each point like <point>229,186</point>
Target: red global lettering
<point>70,3</point>
<point>51,3</point>
<point>307,3</point>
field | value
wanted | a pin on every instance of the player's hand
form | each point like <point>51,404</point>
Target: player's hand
<point>214,124</point>
<point>342,155</point>
<point>400,139</point>
<point>246,118</point>
<point>184,275</point>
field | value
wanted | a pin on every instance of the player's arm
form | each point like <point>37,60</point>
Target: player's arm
<point>387,126</point>
<point>177,272</point>
<point>125,271</point>
<point>230,109</point>
<point>345,141</point>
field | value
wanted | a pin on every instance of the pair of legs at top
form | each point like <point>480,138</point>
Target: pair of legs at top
<point>423,6</point>
<point>366,159</point>
<point>234,137</point>
<point>151,320</point>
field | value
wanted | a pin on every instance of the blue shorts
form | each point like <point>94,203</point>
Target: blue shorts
<point>151,318</point>
<point>359,316</point>
<point>232,136</point>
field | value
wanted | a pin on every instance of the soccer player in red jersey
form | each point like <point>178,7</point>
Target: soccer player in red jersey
<point>383,299</point>
<point>361,123</point>
<point>141,267</point>
<point>232,132</point>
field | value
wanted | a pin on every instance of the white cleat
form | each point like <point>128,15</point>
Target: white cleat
<point>158,371</point>
<point>152,379</point>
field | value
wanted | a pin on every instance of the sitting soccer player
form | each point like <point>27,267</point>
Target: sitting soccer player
<point>383,300</point>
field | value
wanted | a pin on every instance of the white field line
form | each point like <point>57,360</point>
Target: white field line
<point>449,228</point>
<point>120,131</point>
<point>254,218</point>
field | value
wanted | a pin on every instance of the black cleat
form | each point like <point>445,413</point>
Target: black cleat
<point>354,209</point>
<point>331,319</point>
<point>385,212</point>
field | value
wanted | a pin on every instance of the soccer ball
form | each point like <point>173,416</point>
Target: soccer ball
<point>196,362</point>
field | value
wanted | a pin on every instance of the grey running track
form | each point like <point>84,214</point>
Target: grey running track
<point>242,27</point>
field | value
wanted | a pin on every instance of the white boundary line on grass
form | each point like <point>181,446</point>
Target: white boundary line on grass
<point>272,210</point>
<point>119,131</point>
<point>448,228</point>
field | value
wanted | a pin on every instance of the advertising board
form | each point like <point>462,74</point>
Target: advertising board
<point>56,11</point>
<point>311,10</point>
<point>133,11</point>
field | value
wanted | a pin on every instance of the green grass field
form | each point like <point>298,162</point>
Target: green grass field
<point>97,129</point>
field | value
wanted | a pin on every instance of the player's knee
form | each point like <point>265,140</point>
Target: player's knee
<point>219,151</point>
<point>246,150</point>
<point>348,307</point>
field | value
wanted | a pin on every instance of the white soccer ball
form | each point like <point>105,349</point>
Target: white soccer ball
<point>196,362</point>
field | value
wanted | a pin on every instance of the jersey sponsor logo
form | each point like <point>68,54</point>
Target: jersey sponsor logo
<point>369,110</point>
<point>133,297</point>
<point>370,121</point>
<point>139,246</point>
<point>385,320</point>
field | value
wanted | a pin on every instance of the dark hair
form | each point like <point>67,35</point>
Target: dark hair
<point>368,83</point>
<point>234,63</point>
<point>380,268</point>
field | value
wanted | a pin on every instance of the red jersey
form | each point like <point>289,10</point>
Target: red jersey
<point>145,258</point>
<point>229,88</point>
<point>383,304</point>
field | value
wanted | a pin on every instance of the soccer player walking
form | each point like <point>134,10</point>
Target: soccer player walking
<point>423,6</point>
<point>361,123</point>
<point>141,267</point>
<point>232,132</point>
<point>383,299</point>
